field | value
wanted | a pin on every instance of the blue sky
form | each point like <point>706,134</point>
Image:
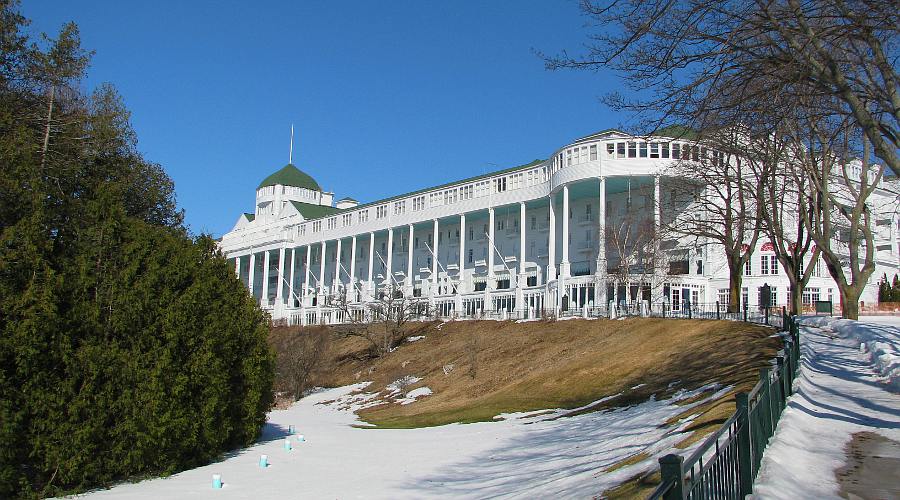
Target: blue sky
<point>385,97</point>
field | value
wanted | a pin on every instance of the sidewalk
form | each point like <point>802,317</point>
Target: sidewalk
<point>839,436</point>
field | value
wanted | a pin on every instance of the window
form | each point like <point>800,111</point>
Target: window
<point>810,296</point>
<point>632,149</point>
<point>568,157</point>
<point>363,216</point>
<point>471,256</point>
<point>748,268</point>
<point>654,150</point>
<point>418,203</point>
<point>620,150</point>
<point>317,226</point>
<point>773,264</point>
<point>593,152</point>
<point>665,150</point>
<point>466,192</point>
<point>724,296</point>
<point>533,222</point>
<point>700,267</point>
<point>450,196</point>
<point>500,184</point>
<point>764,264</point>
<point>399,207</point>
<point>610,148</point>
<point>676,150</point>
<point>643,149</point>
<point>381,212</point>
<point>332,222</point>
<point>745,297</point>
<point>416,242</point>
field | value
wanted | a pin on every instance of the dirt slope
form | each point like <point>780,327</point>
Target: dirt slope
<point>479,369</point>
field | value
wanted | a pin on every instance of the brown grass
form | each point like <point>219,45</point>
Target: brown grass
<point>539,365</point>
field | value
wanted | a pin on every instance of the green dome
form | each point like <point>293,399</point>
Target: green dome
<point>290,175</point>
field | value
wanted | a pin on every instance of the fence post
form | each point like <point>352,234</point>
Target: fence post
<point>717,309</point>
<point>767,397</point>
<point>782,375</point>
<point>671,468</point>
<point>745,465</point>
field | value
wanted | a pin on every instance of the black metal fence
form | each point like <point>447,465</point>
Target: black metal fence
<point>725,465</point>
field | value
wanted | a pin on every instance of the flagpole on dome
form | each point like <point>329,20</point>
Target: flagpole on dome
<point>291,153</point>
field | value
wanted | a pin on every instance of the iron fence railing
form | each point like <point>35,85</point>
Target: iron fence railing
<point>725,465</point>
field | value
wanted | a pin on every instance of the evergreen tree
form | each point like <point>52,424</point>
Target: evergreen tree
<point>126,347</point>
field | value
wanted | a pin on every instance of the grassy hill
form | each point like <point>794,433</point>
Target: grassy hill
<point>479,369</point>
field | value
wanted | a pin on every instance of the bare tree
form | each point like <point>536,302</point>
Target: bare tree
<point>682,57</point>
<point>637,254</point>
<point>839,211</point>
<point>714,196</point>
<point>299,355</point>
<point>381,321</point>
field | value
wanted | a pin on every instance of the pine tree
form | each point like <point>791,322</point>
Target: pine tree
<point>126,347</point>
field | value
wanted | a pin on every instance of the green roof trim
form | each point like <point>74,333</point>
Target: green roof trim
<point>678,132</point>
<point>289,175</point>
<point>310,211</point>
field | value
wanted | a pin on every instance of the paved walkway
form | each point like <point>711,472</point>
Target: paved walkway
<point>838,437</point>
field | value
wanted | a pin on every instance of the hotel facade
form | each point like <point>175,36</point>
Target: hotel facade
<point>566,235</point>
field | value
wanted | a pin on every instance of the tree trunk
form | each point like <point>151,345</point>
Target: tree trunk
<point>795,300</point>
<point>734,285</point>
<point>47,128</point>
<point>849,301</point>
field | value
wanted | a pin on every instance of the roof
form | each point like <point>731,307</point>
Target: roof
<point>595,135</point>
<point>678,132</point>
<point>250,217</point>
<point>310,211</point>
<point>289,175</point>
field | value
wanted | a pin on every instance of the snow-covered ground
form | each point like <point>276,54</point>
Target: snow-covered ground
<point>848,384</point>
<point>519,456</point>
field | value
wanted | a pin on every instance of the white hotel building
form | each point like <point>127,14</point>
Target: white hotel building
<point>510,243</point>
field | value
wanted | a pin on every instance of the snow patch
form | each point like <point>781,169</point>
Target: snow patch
<point>413,339</point>
<point>412,395</point>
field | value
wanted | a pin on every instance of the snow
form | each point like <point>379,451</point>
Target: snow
<point>412,395</point>
<point>840,391</point>
<point>415,338</point>
<point>532,455</point>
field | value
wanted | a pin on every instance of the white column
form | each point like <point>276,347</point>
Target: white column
<point>600,276</point>
<point>564,265</point>
<point>265,283</point>
<point>337,268</point>
<point>657,205</point>
<point>521,280</point>
<point>251,273</point>
<point>307,272</point>
<point>490,250</point>
<point>657,290</point>
<point>237,266</point>
<point>291,282</point>
<point>279,287</point>
<point>551,244</point>
<point>390,258</point>
<point>353,267</point>
<point>434,260</point>
<point>409,262</point>
<point>371,284</point>
<point>322,271</point>
<point>462,264</point>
